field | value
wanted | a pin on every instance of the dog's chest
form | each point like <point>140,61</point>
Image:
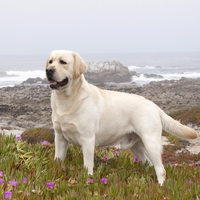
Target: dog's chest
<point>69,131</point>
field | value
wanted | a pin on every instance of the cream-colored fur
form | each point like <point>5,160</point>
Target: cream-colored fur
<point>87,116</point>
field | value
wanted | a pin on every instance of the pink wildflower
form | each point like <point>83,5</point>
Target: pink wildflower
<point>105,158</point>
<point>189,182</point>
<point>7,194</point>
<point>104,180</point>
<point>1,174</point>
<point>18,138</point>
<point>24,180</point>
<point>90,180</point>
<point>136,159</point>
<point>116,153</point>
<point>50,185</point>
<point>33,190</point>
<point>45,143</point>
<point>64,169</point>
<point>1,181</point>
<point>13,183</point>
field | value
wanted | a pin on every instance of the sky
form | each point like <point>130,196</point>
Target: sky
<point>104,26</point>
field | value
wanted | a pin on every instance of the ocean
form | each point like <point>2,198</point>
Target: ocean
<point>14,69</point>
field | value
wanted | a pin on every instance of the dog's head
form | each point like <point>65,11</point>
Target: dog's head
<point>62,67</point>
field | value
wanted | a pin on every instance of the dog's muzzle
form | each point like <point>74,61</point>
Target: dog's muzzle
<point>55,84</point>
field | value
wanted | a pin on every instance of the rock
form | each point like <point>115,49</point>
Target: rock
<point>25,106</point>
<point>35,81</point>
<point>4,74</point>
<point>158,67</point>
<point>155,76</point>
<point>103,72</point>
<point>9,129</point>
<point>133,73</point>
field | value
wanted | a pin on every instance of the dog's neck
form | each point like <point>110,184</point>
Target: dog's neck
<point>68,99</point>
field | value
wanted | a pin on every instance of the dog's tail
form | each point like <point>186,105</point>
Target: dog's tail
<point>175,128</point>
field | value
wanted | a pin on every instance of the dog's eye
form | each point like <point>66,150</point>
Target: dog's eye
<point>62,62</point>
<point>50,61</point>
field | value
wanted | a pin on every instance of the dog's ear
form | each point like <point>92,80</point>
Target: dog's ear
<point>80,65</point>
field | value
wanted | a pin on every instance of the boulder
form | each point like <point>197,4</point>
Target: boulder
<point>35,81</point>
<point>155,76</point>
<point>102,72</point>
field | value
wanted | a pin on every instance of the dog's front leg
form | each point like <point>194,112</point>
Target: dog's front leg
<point>61,145</point>
<point>88,156</point>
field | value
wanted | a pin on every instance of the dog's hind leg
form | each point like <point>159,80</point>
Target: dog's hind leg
<point>154,151</point>
<point>140,152</point>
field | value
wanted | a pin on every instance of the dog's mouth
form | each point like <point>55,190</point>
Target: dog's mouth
<point>56,85</point>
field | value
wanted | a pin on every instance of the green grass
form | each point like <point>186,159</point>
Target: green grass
<point>126,179</point>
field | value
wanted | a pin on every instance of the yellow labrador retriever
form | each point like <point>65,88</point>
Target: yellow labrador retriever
<point>89,117</point>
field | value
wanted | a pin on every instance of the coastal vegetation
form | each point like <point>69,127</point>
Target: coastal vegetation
<point>188,116</point>
<point>37,135</point>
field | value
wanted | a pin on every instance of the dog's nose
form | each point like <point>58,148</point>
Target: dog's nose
<point>50,70</point>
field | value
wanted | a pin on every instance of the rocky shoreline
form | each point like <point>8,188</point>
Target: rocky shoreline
<point>26,106</point>
<point>29,106</point>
